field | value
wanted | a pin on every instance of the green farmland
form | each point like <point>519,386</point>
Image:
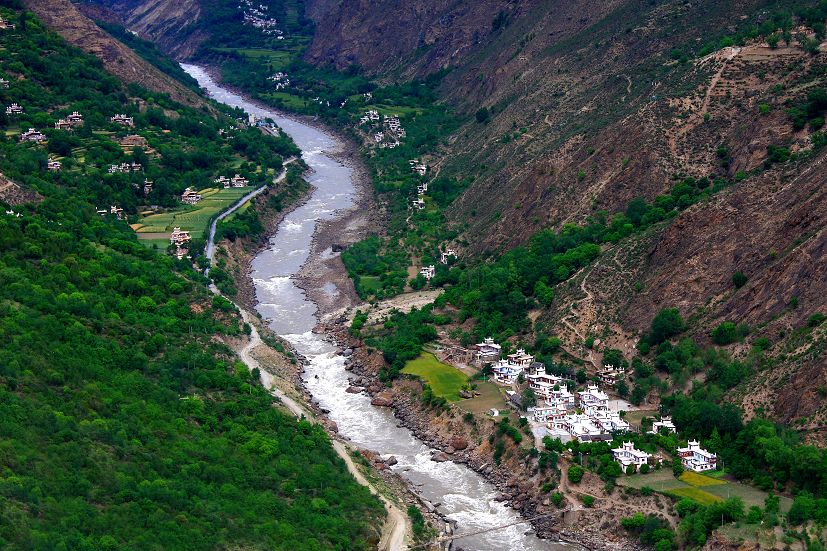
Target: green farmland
<point>444,380</point>
<point>155,228</point>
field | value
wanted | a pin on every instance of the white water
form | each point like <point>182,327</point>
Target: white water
<point>463,494</point>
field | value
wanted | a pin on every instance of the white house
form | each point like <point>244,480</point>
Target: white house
<point>696,458</point>
<point>75,119</point>
<point>5,25</point>
<point>32,135</point>
<point>190,197</point>
<point>593,400</point>
<point>428,271</point>
<point>580,427</point>
<point>549,413</point>
<point>418,203</point>
<point>63,124</point>
<point>147,186</point>
<point>665,424</point>
<point>178,237</point>
<point>610,374</point>
<point>446,254</point>
<point>117,211</point>
<point>53,165</point>
<point>610,421</point>
<point>4,83</point>
<point>239,181</point>
<point>543,384</point>
<point>14,109</point>
<point>521,358</point>
<point>123,120</point>
<point>488,351</point>
<point>627,455</point>
<point>505,372</point>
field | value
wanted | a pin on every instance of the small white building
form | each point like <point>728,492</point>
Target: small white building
<point>549,413</point>
<point>190,197</point>
<point>123,120</point>
<point>505,372</point>
<point>665,424</point>
<point>5,25</point>
<point>543,384</point>
<point>179,237</point>
<point>75,119</point>
<point>521,358</point>
<point>627,455</point>
<point>446,254</point>
<point>593,400</point>
<point>63,124</point>
<point>422,188</point>
<point>610,374</point>
<point>611,421</point>
<point>239,181</point>
<point>488,351</point>
<point>53,165</point>
<point>4,83</point>
<point>418,203</point>
<point>117,211</point>
<point>580,427</point>
<point>14,109</point>
<point>222,181</point>
<point>147,186</point>
<point>696,458</point>
<point>32,135</point>
<point>428,271</point>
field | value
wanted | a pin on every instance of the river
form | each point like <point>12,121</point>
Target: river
<point>465,496</point>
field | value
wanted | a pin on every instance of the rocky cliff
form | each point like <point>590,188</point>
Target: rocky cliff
<point>63,17</point>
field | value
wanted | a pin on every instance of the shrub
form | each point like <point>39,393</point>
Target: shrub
<point>575,474</point>
<point>725,333</point>
<point>644,468</point>
<point>665,325</point>
<point>482,115</point>
<point>739,279</point>
<point>587,500</point>
<point>816,319</point>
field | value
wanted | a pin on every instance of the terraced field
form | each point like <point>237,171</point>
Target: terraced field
<point>193,218</point>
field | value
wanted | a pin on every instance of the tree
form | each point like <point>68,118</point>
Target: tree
<point>575,474</point>
<point>529,398</point>
<point>644,468</point>
<point>739,279</point>
<point>665,325</point>
<point>630,470</point>
<point>725,333</point>
<point>482,115</point>
<point>677,467</point>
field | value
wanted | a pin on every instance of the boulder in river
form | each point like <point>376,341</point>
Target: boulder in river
<point>383,399</point>
<point>354,389</point>
<point>391,461</point>
<point>440,457</point>
<point>347,352</point>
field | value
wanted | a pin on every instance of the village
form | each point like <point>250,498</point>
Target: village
<point>178,239</point>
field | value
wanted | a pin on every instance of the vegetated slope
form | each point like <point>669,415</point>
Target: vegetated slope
<point>126,422</point>
<point>63,17</point>
<point>585,107</point>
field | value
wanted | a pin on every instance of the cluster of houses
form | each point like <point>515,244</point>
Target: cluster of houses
<point>71,121</point>
<point>190,196</point>
<point>693,457</point>
<point>280,79</point>
<point>390,133</point>
<point>257,16</point>
<point>122,119</point>
<point>179,238</point>
<point>5,25</point>
<point>14,109</point>
<point>114,210</point>
<point>236,181</point>
<point>125,168</point>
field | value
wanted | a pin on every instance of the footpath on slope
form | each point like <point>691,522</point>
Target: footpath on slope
<point>396,524</point>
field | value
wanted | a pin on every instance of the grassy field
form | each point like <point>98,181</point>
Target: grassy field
<point>443,379</point>
<point>702,488</point>
<point>370,284</point>
<point>698,480</point>
<point>193,218</point>
<point>490,397</point>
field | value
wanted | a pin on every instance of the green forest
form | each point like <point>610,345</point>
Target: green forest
<point>124,422</point>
